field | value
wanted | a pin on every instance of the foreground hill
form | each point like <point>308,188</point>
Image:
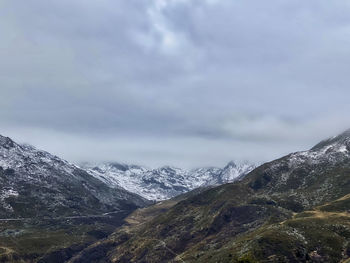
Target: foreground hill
<point>47,204</point>
<point>294,209</point>
<point>165,182</point>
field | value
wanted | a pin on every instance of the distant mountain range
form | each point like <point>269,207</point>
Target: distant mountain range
<point>294,209</point>
<point>165,182</point>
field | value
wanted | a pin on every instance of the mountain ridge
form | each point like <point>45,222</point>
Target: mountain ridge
<point>165,182</point>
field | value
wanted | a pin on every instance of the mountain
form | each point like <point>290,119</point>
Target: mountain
<point>294,209</point>
<point>165,182</point>
<point>37,183</point>
<point>48,204</point>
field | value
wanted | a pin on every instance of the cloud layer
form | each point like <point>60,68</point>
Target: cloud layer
<point>183,82</point>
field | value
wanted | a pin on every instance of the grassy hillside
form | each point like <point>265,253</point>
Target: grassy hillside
<point>294,209</point>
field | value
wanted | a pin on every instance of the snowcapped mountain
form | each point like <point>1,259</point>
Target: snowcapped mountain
<point>286,210</point>
<point>330,151</point>
<point>323,166</point>
<point>165,182</point>
<point>36,183</point>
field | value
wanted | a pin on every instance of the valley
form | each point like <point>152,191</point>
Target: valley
<point>293,209</point>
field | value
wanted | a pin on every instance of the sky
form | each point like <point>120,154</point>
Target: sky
<point>187,83</point>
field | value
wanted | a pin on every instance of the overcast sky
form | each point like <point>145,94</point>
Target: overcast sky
<point>174,82</point>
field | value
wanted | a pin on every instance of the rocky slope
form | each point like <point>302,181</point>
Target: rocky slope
<point>165,182</point>
<point>36,183</point>
<point>50,209</point>
<point>294,209</point>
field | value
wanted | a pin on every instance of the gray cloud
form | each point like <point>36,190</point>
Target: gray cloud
<point>183,82</point>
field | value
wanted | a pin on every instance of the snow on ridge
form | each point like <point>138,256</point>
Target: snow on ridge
<point>162,183</point>
<point>24,157</point>
<point>331,150</point>
<point>165,182</point>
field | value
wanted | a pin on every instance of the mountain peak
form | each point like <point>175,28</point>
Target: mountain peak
<point>231,164</point>
<point>341,140</point>
<point>6,142</point>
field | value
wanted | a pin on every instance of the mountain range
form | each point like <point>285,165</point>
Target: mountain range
<point>51,208</point>
<point>293,209</point>
<point>165,182</point>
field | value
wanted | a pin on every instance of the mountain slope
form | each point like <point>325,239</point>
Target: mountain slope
<point>165,182</point>
<point>50,209</point>
<point>36,183</point>
<point>294,209</point>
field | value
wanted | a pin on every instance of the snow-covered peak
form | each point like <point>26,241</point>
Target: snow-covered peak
<point>332,150</point>
<point>231,164</point>
<point>165,182</point>
<point>29,160</point>
<point>6,142</point>
<point>325,154</point>
<point>336,143</point>
<point>114,167</point>
<point>233,171</point>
